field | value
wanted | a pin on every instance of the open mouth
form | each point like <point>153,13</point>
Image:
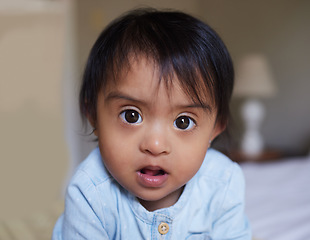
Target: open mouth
<point>152,172</point>
<point>152,177</point>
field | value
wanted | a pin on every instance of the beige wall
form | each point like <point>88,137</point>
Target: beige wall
<point>33,153</point>
<point>279,30</point>
<point>94,15</point>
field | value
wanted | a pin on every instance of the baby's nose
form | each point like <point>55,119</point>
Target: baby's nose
<point>156,141</point>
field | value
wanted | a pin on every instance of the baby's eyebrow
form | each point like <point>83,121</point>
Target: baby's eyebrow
<point>118,95</point>
<point>204,106</point>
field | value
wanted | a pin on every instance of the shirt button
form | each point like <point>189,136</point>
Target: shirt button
<point>163,228</point>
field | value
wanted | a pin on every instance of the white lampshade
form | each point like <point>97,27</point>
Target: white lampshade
<point>254,77</point>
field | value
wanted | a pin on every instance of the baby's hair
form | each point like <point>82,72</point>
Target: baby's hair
<point>180,46</point>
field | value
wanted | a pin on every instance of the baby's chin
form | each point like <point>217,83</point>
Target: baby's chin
<point>154,200</point>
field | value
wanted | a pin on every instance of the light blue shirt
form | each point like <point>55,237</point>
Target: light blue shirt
<point>210,207</point>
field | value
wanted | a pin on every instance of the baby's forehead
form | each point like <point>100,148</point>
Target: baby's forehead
<point>194,87</point>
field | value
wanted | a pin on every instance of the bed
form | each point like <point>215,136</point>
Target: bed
<point>278,198</point>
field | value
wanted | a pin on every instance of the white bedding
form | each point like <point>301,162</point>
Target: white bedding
<point>278,199</point>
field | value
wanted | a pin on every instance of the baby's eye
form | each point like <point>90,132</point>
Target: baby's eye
<point>131,116</point>
<point>184,123</point>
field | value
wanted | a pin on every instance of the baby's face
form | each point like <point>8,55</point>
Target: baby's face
<point>152,142</point>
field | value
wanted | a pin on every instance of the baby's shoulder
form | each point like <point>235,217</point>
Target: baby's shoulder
<point>92,169</point>
<point>218,166</point>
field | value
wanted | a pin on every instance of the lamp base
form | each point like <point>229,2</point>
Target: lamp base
<point>253,112</point>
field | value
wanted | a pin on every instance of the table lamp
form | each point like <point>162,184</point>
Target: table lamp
<point>253,82</point>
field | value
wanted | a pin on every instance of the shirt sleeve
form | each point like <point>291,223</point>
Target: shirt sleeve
<point>80,219</point>
<point>232,224</point>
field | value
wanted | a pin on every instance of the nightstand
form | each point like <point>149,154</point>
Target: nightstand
<point>266,156</point>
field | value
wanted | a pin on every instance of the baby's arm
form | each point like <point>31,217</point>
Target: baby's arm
<point>81,216</point>
<point>232,223</point>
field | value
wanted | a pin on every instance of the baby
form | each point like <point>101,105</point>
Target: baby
<point>156,90</point>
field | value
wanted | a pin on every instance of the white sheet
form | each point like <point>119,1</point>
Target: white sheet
<point>278,199</point>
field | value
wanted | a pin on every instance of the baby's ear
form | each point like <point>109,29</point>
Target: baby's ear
<point>217,130</point>
<point>92,122</point>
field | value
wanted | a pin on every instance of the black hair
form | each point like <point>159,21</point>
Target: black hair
<point>179,45</point>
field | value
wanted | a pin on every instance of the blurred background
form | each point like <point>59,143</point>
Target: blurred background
<point>43,48</point>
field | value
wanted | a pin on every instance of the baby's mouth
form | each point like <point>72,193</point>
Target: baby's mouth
<point>152,172</point>
<point>152,177</point>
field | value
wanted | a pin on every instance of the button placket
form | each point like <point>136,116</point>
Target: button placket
<point>162,227</point>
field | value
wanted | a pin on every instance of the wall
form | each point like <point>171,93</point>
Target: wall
<point>280,30</point>
<point>33,152</point>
